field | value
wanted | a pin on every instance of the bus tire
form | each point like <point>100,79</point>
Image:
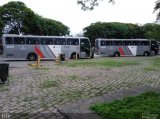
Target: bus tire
<point>146,53</point>
<point>32,56</point>
<point>73,55</point>
<point>116,54</point>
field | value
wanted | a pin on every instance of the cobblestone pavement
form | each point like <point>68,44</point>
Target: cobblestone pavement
<point>37,93</point>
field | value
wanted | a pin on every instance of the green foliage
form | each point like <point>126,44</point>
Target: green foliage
<point>17,18</point>
<point>14,14</point>
<point>49,83</point>
<point>44,26</point>
<point>112,30</point>
<point>130,107</point>
<point>121,31</point>
<point>152,31</point>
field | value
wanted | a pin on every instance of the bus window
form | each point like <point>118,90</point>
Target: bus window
<point>103,43</point>
<point>117,43</point>
<point>59,41</point>
<point>72,41</point>
<point>109,43</point>
<point>126,43</point>
<point>8,40</point>
<point>136,43</point>
<point>32,41</point>
<point>46,41</point>
<point>145,43</point>
<point>18,40</point>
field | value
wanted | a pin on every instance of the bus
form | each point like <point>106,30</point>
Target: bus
<point>1,47</point>
<point>125,47</point>
<point>47,47</point>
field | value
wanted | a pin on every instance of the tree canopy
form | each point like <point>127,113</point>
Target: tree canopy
<point>17,18</point>
<point>121,31</point>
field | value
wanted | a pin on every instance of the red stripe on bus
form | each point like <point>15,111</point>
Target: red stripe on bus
<point>121,51</point>
<point>38,51</point>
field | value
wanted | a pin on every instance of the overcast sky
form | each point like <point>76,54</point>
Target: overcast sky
<point>70,14</point>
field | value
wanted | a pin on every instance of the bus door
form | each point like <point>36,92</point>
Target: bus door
<point>155,47</point>
<point>84,48</point>
<point>19,47</point>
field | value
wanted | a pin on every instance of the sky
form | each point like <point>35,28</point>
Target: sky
<point>71,15</point>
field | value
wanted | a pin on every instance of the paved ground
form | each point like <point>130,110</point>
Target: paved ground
<point>80,109</point>
<point>41,91</point>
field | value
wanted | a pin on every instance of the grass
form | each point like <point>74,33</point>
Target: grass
<point>45,69</point>
<point>49,83</point>
<point>4,87</point>
<point>150,68</point>
<point>72,77</point>
<point>103,62</point>
<point>130,107</point>
<point>154,66</point>
<point>156,62</point>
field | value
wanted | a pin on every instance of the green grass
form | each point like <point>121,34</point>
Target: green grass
<point>150,68</point>
<point>3,87</point>
<point>102,63</point>
<point>72,77</point>
<point>154,66</point>
<point>130,107</point>
<point>156,62</point>
<point>49,83</point>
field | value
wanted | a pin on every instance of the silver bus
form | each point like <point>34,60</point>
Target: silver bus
<point>125,47</point>
<point>47,47</point>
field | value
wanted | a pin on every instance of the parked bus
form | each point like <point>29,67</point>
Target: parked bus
<point>125,47</point>
<point>48,47</point>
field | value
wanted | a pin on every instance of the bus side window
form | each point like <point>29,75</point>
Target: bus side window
<point>19,40</point>
<point>145,43</point>
<point>103,43</point>
<point>117,43</point>
<point>46,41</point>
<point>108,43</point>
<point>32,41</point>
<point>126,43</point>
<point>136,43</point>
<point>8,40</point>
<point>60,41</point>
<point>72,41</point>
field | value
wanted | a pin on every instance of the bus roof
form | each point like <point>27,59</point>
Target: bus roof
<point>15,35</point>
<point>122,39</point>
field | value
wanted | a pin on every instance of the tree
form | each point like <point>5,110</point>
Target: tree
<point>156,8</point>
<point>112,30</point>
<point>151,31</point>
<point>90,4</point>
<point>44,26</point>
<point>17,18</point>
<point>14,14</point>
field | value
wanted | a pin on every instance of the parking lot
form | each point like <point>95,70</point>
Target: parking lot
<point>42,90</point>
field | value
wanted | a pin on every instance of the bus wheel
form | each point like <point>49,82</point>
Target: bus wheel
<point>73,56</point>
<point>146,53</point>
<point>32,57</point>
<point>116,54</point>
